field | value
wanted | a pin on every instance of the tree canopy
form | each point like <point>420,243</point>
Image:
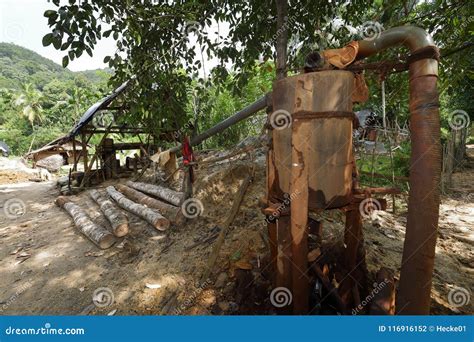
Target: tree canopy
<point>166,44</point>
<point>200,61</point>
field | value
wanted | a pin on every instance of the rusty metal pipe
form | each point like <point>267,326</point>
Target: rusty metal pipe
<point>425,168</point>
<point>414,38</point>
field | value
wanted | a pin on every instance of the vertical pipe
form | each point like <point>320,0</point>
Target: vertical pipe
<point>423,205</point>
<point>425,165</point>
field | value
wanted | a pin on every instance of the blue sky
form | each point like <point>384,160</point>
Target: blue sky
<point>22,23</point>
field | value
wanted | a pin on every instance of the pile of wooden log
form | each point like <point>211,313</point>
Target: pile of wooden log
<point>160,211</point>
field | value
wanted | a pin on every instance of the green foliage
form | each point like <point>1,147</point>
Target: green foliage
<point>222,103</point>
<point>40,101</point>
<point>163,43</point>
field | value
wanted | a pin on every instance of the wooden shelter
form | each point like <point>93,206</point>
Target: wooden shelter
<point>57,147</point>
<point>102,120</point>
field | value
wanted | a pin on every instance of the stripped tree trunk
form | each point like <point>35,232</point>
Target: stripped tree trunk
<point>174,214</point>
<point>117,219</point>
<point>170,196</point>
<point>97,234</point>
<point>149,215</point>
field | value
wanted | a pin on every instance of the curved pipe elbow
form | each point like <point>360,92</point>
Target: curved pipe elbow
<point>414,38</point>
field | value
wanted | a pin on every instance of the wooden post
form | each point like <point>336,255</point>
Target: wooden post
<point>352,239</point>
<point>299,216</point>
<point>271,225</point>
<point>84,157</point>
<point>283,273</point>
<point>74,153</point>
<point>187,189</point>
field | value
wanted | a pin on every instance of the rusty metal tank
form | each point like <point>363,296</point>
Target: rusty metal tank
<point>324,99</point>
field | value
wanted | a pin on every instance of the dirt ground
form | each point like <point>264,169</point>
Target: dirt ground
<point>48,267</point>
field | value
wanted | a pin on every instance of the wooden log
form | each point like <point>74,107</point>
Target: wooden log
<point>174,214</point>
<point>149,215</point>
<point>118,221</point>
<point>168,195</point>
<point>97,234</point>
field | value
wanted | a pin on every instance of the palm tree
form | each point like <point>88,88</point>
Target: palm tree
<point>29,101</point>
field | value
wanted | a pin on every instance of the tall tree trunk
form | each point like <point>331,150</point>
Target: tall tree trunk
<point>97,234</point>
<point>118,220</point>
<point>282,38</point>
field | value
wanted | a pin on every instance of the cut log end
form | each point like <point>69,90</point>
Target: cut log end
<point>107,241</point>
<point>162,224</point>
<point>121,230</point>
<point>61,200</point>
